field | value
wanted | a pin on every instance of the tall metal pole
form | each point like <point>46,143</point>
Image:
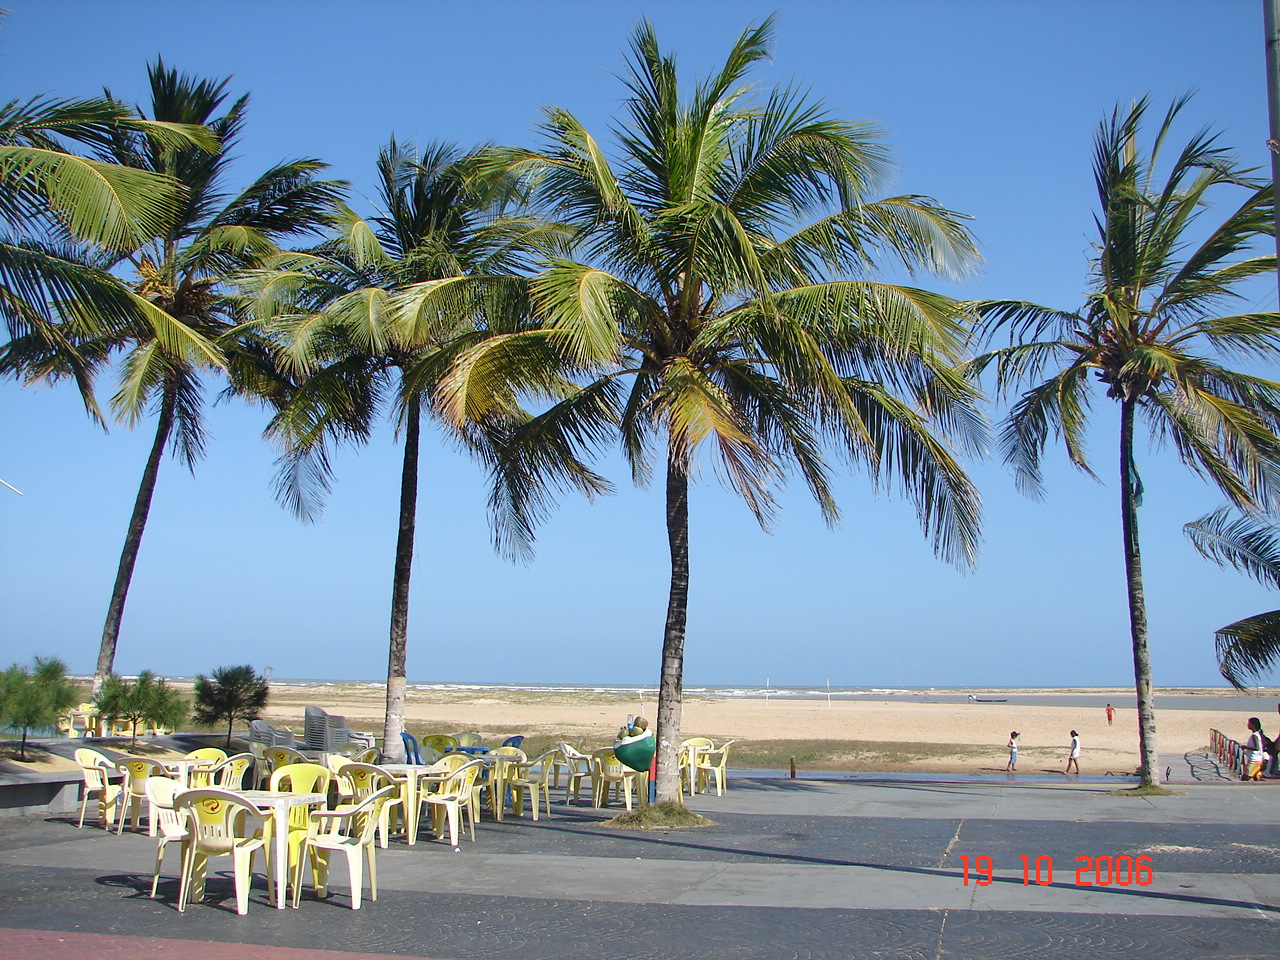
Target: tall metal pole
<point>1271,17</point>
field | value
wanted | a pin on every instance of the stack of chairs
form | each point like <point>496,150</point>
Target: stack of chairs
<point>330,734</point>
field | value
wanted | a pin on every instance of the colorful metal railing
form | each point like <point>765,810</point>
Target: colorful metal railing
<point>1228,752</point>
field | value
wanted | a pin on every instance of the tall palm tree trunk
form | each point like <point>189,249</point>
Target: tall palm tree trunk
<point>393,726</point>
<point>133,540</point>
<point>1137,599</point>
<point>671,687</point>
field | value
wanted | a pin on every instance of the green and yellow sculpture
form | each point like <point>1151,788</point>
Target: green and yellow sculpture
<point>635,744</point>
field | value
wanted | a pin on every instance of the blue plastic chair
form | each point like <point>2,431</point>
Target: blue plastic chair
<point>513,741</point>
<point>411,754</point>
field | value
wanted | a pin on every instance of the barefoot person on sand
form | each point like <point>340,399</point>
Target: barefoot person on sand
<point>1074,756</point>
<point>1012,765</point>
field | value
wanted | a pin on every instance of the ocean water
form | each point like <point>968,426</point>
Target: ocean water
<point>1216,699</point>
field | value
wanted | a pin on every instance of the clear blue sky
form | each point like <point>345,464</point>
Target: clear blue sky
<point>990,107</point>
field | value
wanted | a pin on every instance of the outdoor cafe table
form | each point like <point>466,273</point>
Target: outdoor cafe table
<point>278,805</point>
<point>183,768</point>
<point>414,775</point>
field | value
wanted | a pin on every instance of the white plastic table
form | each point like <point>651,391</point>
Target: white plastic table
<point>279,805</point>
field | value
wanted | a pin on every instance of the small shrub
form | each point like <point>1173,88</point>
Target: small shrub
<point>659,816</point>
<point>36,698</point>
<point>146,700</point>
<point>230,694</point>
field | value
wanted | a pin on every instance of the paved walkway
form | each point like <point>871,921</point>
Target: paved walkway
<point>806,869</point>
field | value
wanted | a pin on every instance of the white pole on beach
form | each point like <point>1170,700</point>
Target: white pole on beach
<point>828,693</point>
<point>766,693</point>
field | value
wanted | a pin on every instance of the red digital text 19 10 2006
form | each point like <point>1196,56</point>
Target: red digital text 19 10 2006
<point>1120,871</point>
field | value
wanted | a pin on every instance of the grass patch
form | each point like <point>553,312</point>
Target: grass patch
<point>1156,791</point>
<point>847,755</point>
<point>659,816</point>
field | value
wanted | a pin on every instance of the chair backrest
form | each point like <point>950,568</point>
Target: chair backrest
<point>369,755</point>
<point>461,781</point>
<point>440,742</point>
<point>411,754</point>
<point>360,823</point>
<point>136,771</point>
<point>570,752</point>
<point>539,769</point>
<point>515,752</point>
<point>469,739</point>
<point>429,754</point>
<point>364,779</point>
<point>94,767</point>
<point>452,761</point>
<point>608,764</point>
<point>698,743</point>
<point>217,818</point>
<point>207,753</point>
<point>229,774</point>
<point>513,741</point>
<point>92,758</point>
<point>301,778</point>
<point>278,757</point>
<point>161,791</point>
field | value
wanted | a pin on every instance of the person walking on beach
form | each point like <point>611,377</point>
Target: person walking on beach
<point>1074,756</point>
<point>1255,750</point>
<point>1012,765</point>
<point>1111,714</point>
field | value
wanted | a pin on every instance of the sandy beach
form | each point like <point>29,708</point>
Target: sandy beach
<point>887,734</point>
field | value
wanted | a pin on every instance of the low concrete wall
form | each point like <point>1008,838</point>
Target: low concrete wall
<point>40,793</point>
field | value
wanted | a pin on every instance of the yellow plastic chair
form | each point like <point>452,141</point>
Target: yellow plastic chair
<point>279,756</point>
<point>608,772</point>
<point>96,768</point>
<point>532,778</point>
<point>216,754</point>
<point>690,750</point>
<point>227,775</point>
<point>368,755</point>
<point>438,741</point>
<point>349,831</point>
<point>335,762</point>
<point>295,778</point>
<point>136,770</point>
<point>363,780</point>
<point>491,777</point>
<point>173,825</point>
<point>711,763</point>
<point>469,739</point>
<point>455,796</point>
<point>577,768</point>
<point>218,821</point>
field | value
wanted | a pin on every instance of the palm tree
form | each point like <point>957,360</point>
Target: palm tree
<point>722,304</point>
<point>53,203</point>
<point>1153,333</point>
<point>1249,647</point>
<point>177,303</point>
<point>373,318</point>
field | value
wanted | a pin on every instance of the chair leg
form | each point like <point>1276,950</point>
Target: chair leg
<point>155,877</point>
<point>242,859</point>
<point>355,867</point>
<point>373,872</point>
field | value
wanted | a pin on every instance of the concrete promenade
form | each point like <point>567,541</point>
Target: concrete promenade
<point>792,869</point>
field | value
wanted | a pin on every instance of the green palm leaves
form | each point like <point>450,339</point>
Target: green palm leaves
<point>711,282</point>
<point>720,309</point>
<point>1155,333</point>
<point>375,318</point>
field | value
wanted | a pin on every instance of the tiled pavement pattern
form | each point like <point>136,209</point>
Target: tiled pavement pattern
<point>791,869</point>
